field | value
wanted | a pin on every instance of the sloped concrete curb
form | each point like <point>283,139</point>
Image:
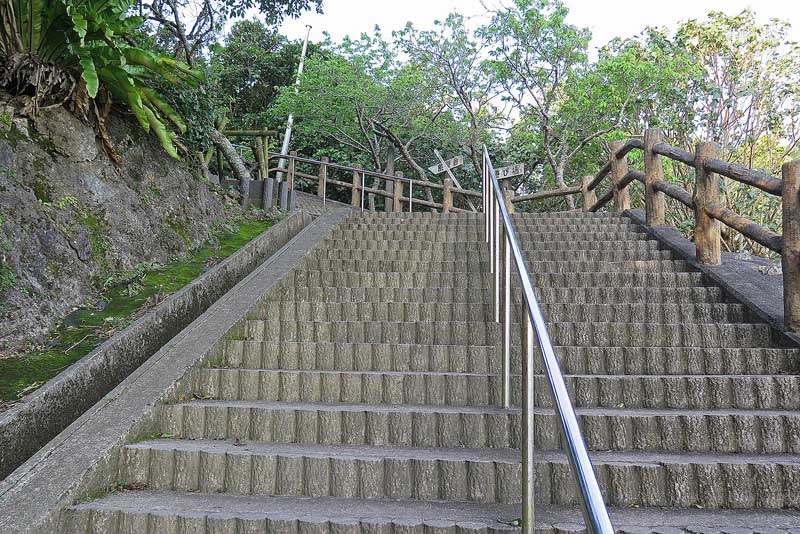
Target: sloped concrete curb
<point>29,425</point>
<point>84,456</point>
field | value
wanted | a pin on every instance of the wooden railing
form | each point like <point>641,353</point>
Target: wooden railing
<point>325,174</point>
<point>705,201</point>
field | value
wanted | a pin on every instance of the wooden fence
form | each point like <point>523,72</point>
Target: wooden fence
<point>705,201</point>
<point>397,190</point>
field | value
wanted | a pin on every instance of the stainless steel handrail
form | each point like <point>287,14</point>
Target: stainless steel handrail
<point>500,234</point>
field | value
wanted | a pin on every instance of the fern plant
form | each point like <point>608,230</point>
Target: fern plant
<point>61,51</point>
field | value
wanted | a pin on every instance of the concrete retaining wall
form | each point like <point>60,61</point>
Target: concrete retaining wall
<point>29,425</point>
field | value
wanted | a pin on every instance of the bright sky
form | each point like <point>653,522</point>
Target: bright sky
<point>606,18</point>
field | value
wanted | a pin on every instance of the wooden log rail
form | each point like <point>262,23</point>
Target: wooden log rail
<point>704,201</point>
<point>395,184</point>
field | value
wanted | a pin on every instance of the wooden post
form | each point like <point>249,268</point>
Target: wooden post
<point>653,172</point>
<point>266,155</point>
<point>589,196</point>
<point>355,198</point>
<point>619,168</point>
<point>790,257</point>
<point>508,197</point>
<point>259,154</point>
<point>291,171</point>
<point>706,190</point>
<point>447,201</point>
<point>397,202</point>
<point>322,186</point>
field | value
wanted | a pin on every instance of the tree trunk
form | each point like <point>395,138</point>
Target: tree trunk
<point>227,149</point>
<point>559,175</point>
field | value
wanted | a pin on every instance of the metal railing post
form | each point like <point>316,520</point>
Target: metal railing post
<point>497,259</point>
<point>506,321</point>
<point>528,427</point>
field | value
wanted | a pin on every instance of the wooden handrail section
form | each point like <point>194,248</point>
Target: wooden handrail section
<point>705,202</point>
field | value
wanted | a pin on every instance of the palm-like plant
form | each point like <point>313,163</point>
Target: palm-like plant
<point>61,51</point>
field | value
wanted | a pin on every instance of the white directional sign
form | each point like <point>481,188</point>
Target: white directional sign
<point>512,170</point>
<point>445,165</point>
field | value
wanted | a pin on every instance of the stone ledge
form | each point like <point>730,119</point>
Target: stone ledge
<point>30,424</point>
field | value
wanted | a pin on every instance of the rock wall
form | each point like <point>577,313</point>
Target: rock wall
<point>69,217</point>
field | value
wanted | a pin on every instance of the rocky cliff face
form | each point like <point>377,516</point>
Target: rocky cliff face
<point>69,217</point>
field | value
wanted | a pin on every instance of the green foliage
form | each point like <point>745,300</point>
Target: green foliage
<point>248,70</point>
<point>87,38</point>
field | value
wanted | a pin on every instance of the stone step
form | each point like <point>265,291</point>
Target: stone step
<point>448,311</point>
<point>287,291</point>
<point>475,257</point>
<point>537,232</point>
<point>587,251</point>
<point>528,238</point>
<point>159,512</point>
<point>458,474</point>
<point>639,429</point>
<point>462,268</point>
<point>476,359</point>
<point>344,277</point>
<point>253,468</point>
<point>481,333</point>
<point>748,392</point>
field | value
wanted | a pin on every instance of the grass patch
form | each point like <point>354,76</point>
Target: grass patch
<point>124,299</point>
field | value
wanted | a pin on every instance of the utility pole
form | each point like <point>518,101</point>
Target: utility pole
<point>287,136</point>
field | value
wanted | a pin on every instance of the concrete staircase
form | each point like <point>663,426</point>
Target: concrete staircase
<point>362,397</point>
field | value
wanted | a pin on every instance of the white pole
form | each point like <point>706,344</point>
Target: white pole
<point>287,136</point>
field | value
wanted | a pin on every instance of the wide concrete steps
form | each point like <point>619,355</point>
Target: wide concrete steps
<point>780,392</point>
<point>287,310</point>
<point>459,474</point>
<point>482,333</point>
<point>574,295</point>
<point>640,429</point>
<point>611,361</point>
<point>157,512</point>
<point>363,396</point>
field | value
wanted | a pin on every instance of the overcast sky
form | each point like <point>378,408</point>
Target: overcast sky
<point>606,18</point>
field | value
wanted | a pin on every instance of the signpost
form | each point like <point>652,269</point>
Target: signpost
<point>447,166</point>
<point>512,170</point>
<point>443,165</point>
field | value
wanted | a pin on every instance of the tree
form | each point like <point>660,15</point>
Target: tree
<point>453,59</point>
<point>248,70</point>
<point>566,102</point>
<point>186,27</point>
<point>360,96</point>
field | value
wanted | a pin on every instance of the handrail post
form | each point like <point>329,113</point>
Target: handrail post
<point>355,197</point>
<point>619,168</point>
<point>397,192</point>
<point>259,154</point>
<point>528,428</point>
<point>589,196</point>
<point>291,172</point>
<point>790,257</point>
<point>653,172</point>
<point>508,197</point>
<point>706,190</point>
<point>506,367</point>
<point>447,200</point>
<point>497,258</point>
<point>322,184</point>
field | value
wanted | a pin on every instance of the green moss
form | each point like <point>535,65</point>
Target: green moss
<point>98,231</point>
<point>8,278</point>
<point>85,328</point>
<point>42,190</point>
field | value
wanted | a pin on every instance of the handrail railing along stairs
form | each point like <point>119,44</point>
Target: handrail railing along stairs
<point>505,250</point>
